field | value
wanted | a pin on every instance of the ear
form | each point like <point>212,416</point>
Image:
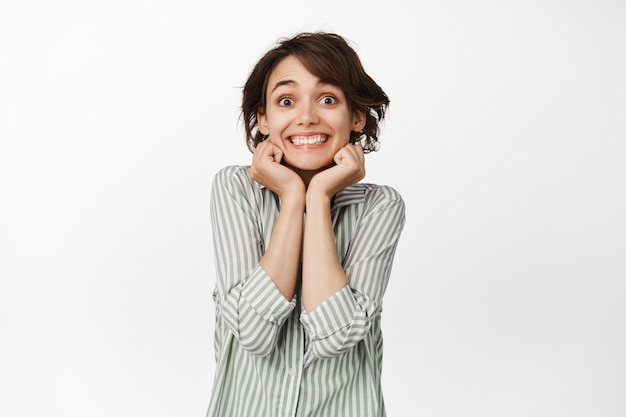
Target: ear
<point>358,121</point>
<point>262,122</point>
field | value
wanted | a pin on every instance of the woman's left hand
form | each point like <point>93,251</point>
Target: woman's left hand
<point>349,169</point>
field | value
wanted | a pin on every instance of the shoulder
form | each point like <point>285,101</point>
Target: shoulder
<point>372,200</point>
<point>234,180</point>
<point>385,201</point>
<point>233,171</point>
<point>380,205</point>
<point>380,194</point>
<point>234,175</point>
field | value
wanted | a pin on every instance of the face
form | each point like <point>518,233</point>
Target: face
<point>310,121</point>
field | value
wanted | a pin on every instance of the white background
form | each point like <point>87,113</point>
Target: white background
<point>506,137</point>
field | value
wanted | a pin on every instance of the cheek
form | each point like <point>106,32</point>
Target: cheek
<point>345,125</point>
<point>275,139</point>
<point>275,124</point>
<point>343,120</point>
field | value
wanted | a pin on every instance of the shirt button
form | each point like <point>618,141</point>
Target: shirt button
<point>292,371</point>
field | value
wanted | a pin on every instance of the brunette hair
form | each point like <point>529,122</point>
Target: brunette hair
<point>329,57</point>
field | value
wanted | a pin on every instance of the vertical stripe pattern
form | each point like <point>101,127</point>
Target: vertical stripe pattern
<point>273,359</point>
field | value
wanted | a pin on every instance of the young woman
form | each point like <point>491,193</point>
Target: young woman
<point>303,250</point>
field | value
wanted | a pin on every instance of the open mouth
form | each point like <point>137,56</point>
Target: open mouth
<point>309,140</point>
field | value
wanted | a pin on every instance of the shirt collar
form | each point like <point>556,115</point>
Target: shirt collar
<point>352,194</point>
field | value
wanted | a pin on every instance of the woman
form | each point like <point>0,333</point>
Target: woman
<point>303,250</point>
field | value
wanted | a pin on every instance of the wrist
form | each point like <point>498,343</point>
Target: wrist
<point>317,197</point>
<point>293,198</point>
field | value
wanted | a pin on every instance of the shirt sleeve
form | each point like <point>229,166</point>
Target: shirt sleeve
<point>345,318</point>
<point>246,298</point>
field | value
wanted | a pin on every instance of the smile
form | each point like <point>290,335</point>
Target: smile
<point>309,140</point>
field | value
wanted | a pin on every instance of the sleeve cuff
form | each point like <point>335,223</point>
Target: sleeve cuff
<point>334,314</point>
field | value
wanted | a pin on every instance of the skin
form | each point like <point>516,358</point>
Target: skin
<point>306,177</point>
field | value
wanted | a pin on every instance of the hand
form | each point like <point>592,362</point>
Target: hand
<point>267,170</point>
<point>349,169</point>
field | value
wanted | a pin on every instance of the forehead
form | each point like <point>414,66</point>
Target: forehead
<point>290,71</point>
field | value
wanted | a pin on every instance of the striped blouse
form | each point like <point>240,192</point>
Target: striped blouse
<point>273,358</point>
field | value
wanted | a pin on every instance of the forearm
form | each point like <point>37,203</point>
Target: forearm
<point>282,255</point>
<point>344,318</point>
<point>247,299</point>
<point>322,273</point>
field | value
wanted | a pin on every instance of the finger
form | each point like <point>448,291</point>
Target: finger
<point>260,150</point>
<point>278,154</point>
<point>268,152</point>
<point>360,154</point>
<point>352,152</point>
<point>341,155</point>
<point>257,152</point>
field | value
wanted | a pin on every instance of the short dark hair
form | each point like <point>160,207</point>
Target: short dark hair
<point>329,57</point>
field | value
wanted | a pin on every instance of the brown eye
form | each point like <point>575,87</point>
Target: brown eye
<point>285,101</point>
<point>329,100</point>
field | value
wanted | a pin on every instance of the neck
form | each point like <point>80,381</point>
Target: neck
<point>307,175</point>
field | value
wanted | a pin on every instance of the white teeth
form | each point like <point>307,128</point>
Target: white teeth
<point>309,140</point>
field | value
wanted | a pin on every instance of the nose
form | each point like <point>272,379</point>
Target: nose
<point>306,114</point>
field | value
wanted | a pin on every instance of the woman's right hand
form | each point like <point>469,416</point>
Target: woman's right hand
<point>267,170</point>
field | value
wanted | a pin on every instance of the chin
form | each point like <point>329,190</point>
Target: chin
<point>309,165</point>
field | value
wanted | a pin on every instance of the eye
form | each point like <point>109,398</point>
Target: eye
<point>285,101</point>
<point>328,99</point>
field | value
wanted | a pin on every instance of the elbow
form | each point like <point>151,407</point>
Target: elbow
<point>258,342</point>
<point>325,351</point>
<point>329,340</point>
<point>338,343</point>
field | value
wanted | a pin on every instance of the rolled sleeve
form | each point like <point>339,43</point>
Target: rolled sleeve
<point>338,323</point>
<point>265,298</point>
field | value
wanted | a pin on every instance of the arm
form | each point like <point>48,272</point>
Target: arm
<point>342,298</point>
<point>249,302</point>
<point>282,255</point>
<point>322,273</point>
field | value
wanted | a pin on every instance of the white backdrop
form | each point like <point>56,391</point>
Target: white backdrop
<point>506,136</point>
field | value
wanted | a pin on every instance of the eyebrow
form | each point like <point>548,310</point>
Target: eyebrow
<point>292,82</point>
<point>281,83</point>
